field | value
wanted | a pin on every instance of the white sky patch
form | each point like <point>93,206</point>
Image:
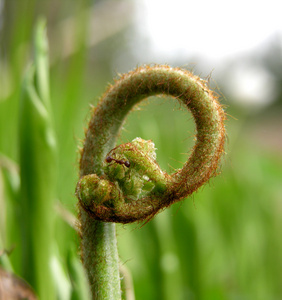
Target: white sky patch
<point>251,85</point>
<point>214,32</point>
<point>215,29</point>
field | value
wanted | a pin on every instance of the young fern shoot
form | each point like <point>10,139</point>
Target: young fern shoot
<point>107,173</point>
<point>123,184</point>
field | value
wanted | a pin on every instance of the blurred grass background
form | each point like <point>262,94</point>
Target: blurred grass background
<point>223,243</point>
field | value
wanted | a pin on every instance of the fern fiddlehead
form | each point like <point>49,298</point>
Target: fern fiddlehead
<point>125,184</point>
<point>104,189</point>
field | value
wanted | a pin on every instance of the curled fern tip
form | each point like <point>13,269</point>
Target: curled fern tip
<point>125,183</point>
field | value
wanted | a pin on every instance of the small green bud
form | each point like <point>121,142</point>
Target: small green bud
<point>130,172</point>
<point>133,167</point>
<point>93,191</point>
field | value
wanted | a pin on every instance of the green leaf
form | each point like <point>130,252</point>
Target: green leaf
<point>38,173</point>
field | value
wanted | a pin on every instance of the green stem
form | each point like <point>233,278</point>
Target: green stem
<point>100,257</point>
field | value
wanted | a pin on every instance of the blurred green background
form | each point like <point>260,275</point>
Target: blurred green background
<point>224,242</point>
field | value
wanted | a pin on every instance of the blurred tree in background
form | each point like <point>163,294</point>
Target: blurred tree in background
<point>225,242</point>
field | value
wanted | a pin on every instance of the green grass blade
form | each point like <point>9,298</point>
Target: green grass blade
<point>42,63</point>
<point>38,177</point>
<point>80,287</point>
